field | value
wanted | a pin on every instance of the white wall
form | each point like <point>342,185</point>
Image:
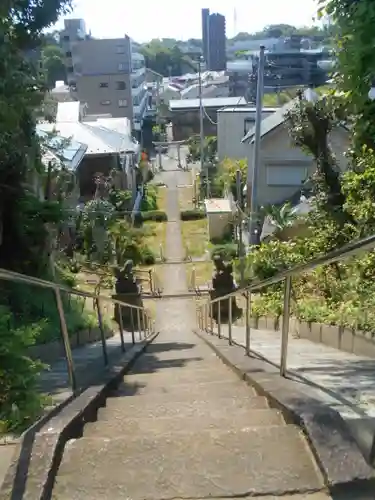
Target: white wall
<point>231,128</point>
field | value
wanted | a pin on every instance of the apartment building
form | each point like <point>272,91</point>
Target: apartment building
<point>214,40</point>
<point>108,75</point>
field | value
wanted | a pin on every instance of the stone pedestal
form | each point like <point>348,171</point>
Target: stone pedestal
<point>222,284</point>
<point>127,291</point>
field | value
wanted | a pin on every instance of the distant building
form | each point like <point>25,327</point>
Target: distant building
<point>106,74</point>
<point>214,40</point>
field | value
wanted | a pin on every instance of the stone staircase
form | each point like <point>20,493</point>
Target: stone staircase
<point>182,425</point>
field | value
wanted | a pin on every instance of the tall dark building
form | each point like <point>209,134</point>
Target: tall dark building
<point>214,40</point>
<point>205,23</point>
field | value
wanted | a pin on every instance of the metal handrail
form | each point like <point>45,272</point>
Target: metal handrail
<point>205,310</point>
<point>146,324</point>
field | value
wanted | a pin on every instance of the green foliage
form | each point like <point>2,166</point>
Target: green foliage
<point>150,199</point>
<point>165,60</point>
<point>209,148</point>
<point>154,215</point>
<point>355,63</point>
<point>227,251</point>
<point>53,65</point>
<point>20,403</point>
<point>193,214</point>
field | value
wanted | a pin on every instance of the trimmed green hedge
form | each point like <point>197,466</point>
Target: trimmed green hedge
<point>153,215</point>
<point>194,214</point>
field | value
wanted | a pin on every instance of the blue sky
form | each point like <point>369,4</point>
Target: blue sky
<point>146,19</point>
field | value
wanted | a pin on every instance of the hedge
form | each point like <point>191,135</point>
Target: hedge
<point>153,215</point>
<point>194,214</point>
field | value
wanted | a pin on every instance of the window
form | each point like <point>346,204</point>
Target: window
<point>122,67</point>
<point>70,69</point>
<point>68,54</point>
<point>286,176</point>
<point>120,85</point>
<point>103,85</point>
<point>122,103</point>
<point>105,103</point>
<point>120,49</point>
<point>66,38</point>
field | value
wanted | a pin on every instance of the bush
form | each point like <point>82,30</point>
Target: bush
<point>149,201</point>
<point>20,403</point>
<point>193,214</point>
<point>227,251</point>
<point>147,257</point>
<point>153,215</point>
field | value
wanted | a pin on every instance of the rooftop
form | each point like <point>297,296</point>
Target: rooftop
<point>218,205</point>
<point>247,109</point>
<point>211,102</point>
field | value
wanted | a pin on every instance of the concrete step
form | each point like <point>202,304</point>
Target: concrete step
<point>155,407</point>
<point>123,426</point>
<point>179,375</point>
<point>266,460</point>
<point>203,390</point>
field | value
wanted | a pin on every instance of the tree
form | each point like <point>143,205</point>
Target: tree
<point>164,60</point>
<point>53,65</point>
<point>353,22</point>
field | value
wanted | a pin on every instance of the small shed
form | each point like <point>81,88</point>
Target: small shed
<point>220,213</point>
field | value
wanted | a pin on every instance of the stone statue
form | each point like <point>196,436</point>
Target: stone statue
<point>222,284</point>
<point>127,291</point>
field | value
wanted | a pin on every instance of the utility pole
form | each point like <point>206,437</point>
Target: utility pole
<point>252,174</point>
<point>201,127</point>
<point>240,212</point>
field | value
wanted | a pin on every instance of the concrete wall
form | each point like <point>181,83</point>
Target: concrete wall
<point>102,94</point>
<point>218,224</point>
<point>232,126</point>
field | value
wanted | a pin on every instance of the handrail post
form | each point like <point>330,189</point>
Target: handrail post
<point>132,325</point>
<point>121,327</point>
<point>102,334</point>
<point>219,318</point>
<point>285,327</point>
<point>248,310</point>
<point>230,321</point>
<point>144,320</point>
<point>211,319</point>
<point>66,341</point>
<point>139,324</point>
<point>206,317</point>
<point>150,278</point>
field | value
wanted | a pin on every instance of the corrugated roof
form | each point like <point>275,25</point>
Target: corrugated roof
<point>271,122</point>
<point>59,149</point>
<point>99,140</point>
<point>209,102</point>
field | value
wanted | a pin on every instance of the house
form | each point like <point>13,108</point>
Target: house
<point>185,115</point>
<point>109,146</point>
<point>283,166</point>
<point>233,124</point>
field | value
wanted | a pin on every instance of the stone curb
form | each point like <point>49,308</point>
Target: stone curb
<point>39,453</point>
<point>336,452</point>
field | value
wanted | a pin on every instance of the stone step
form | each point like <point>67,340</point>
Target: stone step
<point>208,373</point>
<point>264,460</point>
<point>123,426</point>
<point>155,407</point>
<point>195,390</point>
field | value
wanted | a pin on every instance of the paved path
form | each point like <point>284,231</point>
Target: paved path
<point>344,381</point>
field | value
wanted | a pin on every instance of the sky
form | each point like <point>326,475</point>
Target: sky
<point>143,20</point>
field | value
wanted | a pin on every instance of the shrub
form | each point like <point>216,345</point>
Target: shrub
<point>153,215</point>
<point>193,214</point>
<point>149,201</point>
<point>20,403</point>
<point>147,256</point>
<point>227,251</point>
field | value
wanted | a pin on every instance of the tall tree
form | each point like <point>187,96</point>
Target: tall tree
<point>53,65</point>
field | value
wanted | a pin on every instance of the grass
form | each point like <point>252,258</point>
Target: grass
<point>195,237</point>
<point>203,272</point>
<point>185,196</point>
<point>161,198</point>
<point>155,236</point>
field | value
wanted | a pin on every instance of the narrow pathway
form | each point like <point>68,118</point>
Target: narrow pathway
<point>182,425</point>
